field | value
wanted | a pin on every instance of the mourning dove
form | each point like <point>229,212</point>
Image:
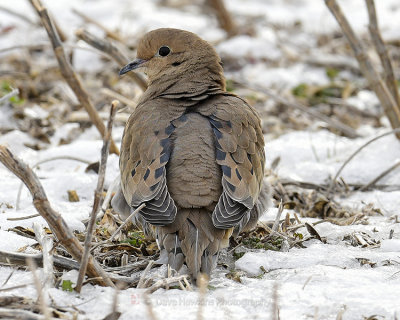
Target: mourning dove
<point>192,152</point>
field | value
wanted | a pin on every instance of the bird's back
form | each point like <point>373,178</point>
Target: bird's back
<point>191,152</point>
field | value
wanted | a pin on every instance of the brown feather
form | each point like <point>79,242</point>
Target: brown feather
<point>192,152</point>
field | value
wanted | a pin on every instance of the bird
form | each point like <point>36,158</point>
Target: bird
<point>192,152</point>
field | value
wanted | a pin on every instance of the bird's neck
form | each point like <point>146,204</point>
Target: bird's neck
<point>190,88</point>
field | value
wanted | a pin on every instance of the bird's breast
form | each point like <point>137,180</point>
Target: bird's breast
<point>193,176</point>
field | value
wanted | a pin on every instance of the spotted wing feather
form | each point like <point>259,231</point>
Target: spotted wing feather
<point>239,147</point>
<point>144,155</point>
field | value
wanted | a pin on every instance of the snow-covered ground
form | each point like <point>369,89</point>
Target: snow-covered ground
<point>320,281</point>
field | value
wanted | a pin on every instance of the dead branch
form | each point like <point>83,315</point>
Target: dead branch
<point>357,151</point>
<point>15,287</point>
<point>335,124</point>
<point>225,19</point>
<point>55,221</point>
<point>46,242</point>
<point>69,74</point>
<point>18,15</point>
<point>109,33</point>
<point>144,273</point>
<point>40,292</point>
<point>118,96</point>
<point>325,187</point>
<point>44,161</point>
<point>374,80</point>
<point>82,116</point>
<point>60,32</point>
<point>113,52</point>
<point>380,176</point>
<point>165,282</point>
<point>277,218</point>
<point>24,218</point>
<point>202,282</point>
<point>8,313</point>
<point>380,48</point>
<point>111,190</point>
<point>19,259</point>
<point>98,195</point>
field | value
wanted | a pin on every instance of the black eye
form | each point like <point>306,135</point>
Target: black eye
<point>164,51</point>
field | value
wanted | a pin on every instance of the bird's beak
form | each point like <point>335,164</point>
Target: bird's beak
<point>131,66</point>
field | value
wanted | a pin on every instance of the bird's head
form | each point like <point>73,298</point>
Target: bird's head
<point>172,53</point>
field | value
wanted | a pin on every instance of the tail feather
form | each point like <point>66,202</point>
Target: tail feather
<point>192,239</point>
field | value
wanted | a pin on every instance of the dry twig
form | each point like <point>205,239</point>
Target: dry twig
<point>126,221</point>
<point>380,176</point>
<point>113,52</point>
<point>69,74</point>
<point>202,282</point>
<point>374,80</point>
<point>109,33</point>
<point>144,273</point>
<point>278,217</point>
<point>40,292</point>
<point>380,47</point>
<point>225,19</point>
<point>165,282</point>
<point>55,221</point>
<point>98,195</point>
<point>18,15</point>
<point>8,313</point>
<point>44,161</point>
<point>333,123</point>
<point>357,151</point>
<point>46,242</point>
<point>18,258</point>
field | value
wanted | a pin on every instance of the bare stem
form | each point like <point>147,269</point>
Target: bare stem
<point>68,72</point>
<point>374,80</point>
<point>380,47</point>
<point>98,195</point>
<point>55,221</point>
<point>113,52</point>
<point>358,151</point>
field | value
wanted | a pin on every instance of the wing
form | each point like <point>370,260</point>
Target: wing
<point>239,146</point>
<point>145,151</point>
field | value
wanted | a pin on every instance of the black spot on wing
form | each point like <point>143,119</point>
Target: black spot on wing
<point>183,118</point>
<point>133,172</point>
<point>216,123</point>
<point>169,129</point>
<point>154,187</point>
<point>146,175</point>
<point>238,174</point>
<point>164,157</point>
<point>230,186</point>
<point>217,133</point>
<point>159,172</point>
<point>220,155</point>
<point>227,171</point>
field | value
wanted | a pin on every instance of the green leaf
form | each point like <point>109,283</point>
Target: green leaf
<point>67,285</point>
<point>331,73</point>
<point>300,90</point>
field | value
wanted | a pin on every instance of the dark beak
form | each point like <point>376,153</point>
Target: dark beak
<point>131,66</point>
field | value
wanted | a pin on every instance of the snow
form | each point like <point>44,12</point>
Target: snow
<point>319,281</point>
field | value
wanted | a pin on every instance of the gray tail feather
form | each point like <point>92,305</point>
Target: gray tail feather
<point>208,262</point>
<point>172,245</point>
<point>192,240</point>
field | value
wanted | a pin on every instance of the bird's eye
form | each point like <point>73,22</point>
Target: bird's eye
<point>164,51</point>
